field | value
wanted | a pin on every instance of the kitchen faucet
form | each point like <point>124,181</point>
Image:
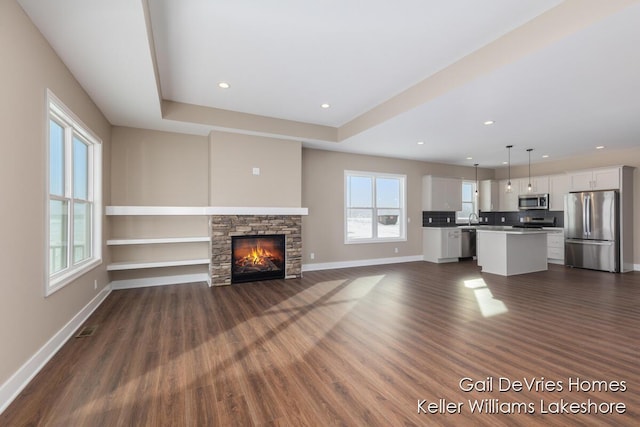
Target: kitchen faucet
<point>471,215</point>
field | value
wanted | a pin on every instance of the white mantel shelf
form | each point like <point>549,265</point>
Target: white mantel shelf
<point>203,210</point>
<point>155,241</point>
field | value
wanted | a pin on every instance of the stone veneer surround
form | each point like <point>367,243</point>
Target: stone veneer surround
<point>223,227</point>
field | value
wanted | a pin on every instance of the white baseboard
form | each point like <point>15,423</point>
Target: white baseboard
<point>19,380</point>
<point>145,282</point>
<point>396,260</point>
<point>360,263</point>
<point>636,267</point>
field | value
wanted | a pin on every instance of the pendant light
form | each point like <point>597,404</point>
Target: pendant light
<point>476,166</point>
<point>508,189</point>
<point>529,150</point>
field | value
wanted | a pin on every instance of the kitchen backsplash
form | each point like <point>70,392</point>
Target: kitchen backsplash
<point>438,219</point>
<point>513,218</point>
<point>448,219</point>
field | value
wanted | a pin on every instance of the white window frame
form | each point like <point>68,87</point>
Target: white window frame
<point>72,125</point>
<point>474,200</point>
<point>403,207</point>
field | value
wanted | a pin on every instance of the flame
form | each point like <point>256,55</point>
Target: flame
<point>257,255</point>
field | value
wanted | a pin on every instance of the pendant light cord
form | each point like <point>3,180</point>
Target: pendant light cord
<point>529,150</point>
<point>476,166</point>
<point>509,167</point>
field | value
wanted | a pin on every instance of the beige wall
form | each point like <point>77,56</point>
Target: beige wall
<point>233,157</point>
<point>323,194</point>
<point>599,158</point>
<point>29,66</point>
<point>152,168</point>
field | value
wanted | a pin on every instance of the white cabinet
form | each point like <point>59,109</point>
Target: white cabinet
<point>606,179</point>
<point>539,185</point>
<point>441,244</point>
<point>509,200</point>
<point>579,181</point>
<point>555,246</point>
<point>489,197</point>
<point>441,194</point>
<point>595,179</point>
<point>453,247</point>
<point>558,188</point>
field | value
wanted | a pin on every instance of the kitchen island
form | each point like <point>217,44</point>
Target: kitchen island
<point>507,251</point>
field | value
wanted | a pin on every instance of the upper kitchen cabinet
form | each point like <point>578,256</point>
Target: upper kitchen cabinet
<point>539,185</point>
<point>509,200</point>
<point>594,179</point>
<point>489,195</point>
<point>441,194</point>
<point>558,187</point>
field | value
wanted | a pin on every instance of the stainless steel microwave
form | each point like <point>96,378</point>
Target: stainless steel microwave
<point>533,201</point>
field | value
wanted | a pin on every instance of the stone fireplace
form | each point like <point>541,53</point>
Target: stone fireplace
<point>224,227</point>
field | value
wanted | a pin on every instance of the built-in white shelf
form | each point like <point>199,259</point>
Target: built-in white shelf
<point>154,241</point>
<point>155,264</point>
<point>160,281</point>
<point>203,210</point>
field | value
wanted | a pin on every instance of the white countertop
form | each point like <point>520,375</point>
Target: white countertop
<point>500,229</point>
<point>444,227</point>
<point>511,230</point>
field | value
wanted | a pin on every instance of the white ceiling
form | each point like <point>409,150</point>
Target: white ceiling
<point>394,72</point>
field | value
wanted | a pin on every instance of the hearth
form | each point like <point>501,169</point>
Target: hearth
<point>257,257</point>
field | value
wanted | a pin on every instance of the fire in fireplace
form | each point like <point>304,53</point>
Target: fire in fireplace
<point>257,257</point>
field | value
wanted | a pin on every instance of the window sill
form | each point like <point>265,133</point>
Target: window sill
<point>61,281</point>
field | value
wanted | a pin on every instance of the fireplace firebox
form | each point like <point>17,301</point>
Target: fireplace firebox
<point>257,257</point>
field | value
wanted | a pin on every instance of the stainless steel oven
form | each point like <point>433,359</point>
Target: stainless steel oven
<point>533,201</point>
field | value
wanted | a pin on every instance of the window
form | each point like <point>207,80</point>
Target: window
<point>375,209</point>
<point>469,201</point>
<point>74,194</point>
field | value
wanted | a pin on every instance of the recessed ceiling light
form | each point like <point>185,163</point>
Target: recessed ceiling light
<point>545,156</point>
<point>469,158</point>
<point>599,147</point>
<point>504,163</point>
<point>224,85</point>
<point>420,142</point>
<point>489,122</point>
<point>325,105</point>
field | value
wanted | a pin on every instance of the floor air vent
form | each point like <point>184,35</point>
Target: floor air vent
<point>87,331</point>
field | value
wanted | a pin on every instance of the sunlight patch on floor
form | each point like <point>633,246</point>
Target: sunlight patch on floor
<point>294,321</point>
<point>489,306</point>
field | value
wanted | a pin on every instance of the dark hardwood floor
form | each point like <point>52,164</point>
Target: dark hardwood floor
<point>353,347</point>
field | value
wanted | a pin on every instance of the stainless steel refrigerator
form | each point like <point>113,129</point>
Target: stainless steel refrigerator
<point>592,231</point>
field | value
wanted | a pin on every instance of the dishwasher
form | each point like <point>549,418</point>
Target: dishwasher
<point>468,243</point>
